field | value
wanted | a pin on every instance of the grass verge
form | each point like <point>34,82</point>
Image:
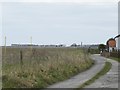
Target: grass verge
<point>105,69</point>
<point>116,59</point>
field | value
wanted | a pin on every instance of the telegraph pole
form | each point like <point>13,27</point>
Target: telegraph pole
<point>81,44</point>
<point>31,42</point>
<point>5,45</point>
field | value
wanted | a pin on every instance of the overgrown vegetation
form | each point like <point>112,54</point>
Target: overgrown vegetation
<point>94,51</point>
<point>42,66</point>
<point>105,69</point>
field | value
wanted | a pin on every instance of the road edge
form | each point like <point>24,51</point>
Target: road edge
<point>102,72</point>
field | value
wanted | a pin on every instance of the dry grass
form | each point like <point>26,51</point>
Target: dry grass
<point>42,67</point>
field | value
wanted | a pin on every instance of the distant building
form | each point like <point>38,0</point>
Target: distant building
<point>23,45</point>
<point>117,38</point>
<point>119,43</point>
<point>36,46</point>
<point>111,44</point>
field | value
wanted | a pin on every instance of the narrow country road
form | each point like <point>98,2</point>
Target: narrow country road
<point>110,80</point>
<point>79,79</point>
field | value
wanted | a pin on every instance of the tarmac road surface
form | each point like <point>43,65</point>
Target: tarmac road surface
<point>109,80</point>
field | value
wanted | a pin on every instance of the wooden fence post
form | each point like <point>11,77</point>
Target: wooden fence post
<point>21,58</point>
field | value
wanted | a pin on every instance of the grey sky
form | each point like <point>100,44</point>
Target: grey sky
<point>56,23</point>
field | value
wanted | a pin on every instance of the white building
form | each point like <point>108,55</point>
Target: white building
<point>118,43</point>
<point>117,38</point>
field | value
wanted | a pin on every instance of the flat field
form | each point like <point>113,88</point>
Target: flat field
<point>41,67</point>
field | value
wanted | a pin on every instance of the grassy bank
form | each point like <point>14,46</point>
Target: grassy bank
<point>116,59</point>
<point>41,67</point>
<point>105,69</point>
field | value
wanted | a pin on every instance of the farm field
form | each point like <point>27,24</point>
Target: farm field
<point>41,67</point>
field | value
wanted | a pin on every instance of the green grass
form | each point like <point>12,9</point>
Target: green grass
<point>116,59</point>
<point>105,69</point>
<point>42,67</point>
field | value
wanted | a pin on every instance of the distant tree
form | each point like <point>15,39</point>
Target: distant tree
<point>74,45</point>
<point>102,47</point>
